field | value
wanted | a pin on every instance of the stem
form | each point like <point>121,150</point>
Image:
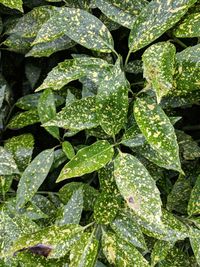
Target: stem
<point>88,225</point>
<point>47,192</point>
<point>127,58</point>
<point>179,42</point>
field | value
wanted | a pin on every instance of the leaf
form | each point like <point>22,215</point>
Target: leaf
<point>73,69</point>
<point>68,149</point>
<point>71,212</point>
<point>137,187</point>
<point>87,160</point>
<point>84,252</point>
<point>123,13</point>
<point>134,66</point>
<point>18,44</point>
<point>112,101</point>
<point>189,27</point>
<point>187,73</point>
<point>14,4</point>
<point>24,119</point>
<point>105,208</point>
<point>160,251</point>
<point>128,230</point>
<point>194,201</point>
<point>196,248</point>
<point>158,130</point>
<point>159,72</point>
<point>155,19</point>
<point>175,258</point>
<point>33,73</point>
<point>59,238</point>
<point>80,26</point>
<point>7,163</point>
<point>133,137</point>
<point>109,246</point>
<point>33,176</point>
<point>21,147</point>
<point>79,115</point>
<point>47,111</point>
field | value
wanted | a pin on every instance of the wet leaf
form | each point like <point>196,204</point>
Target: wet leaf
<point>87,160</point>
<point>194,202</point>
<point>155,19</point>
<point>137,187</point>
<point>33,176</point>
<point>7,163</point>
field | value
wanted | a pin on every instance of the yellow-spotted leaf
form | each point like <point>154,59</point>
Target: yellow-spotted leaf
<point>87,160</point>
<point>155,19</point>
<point>33,176</point>
<point>80,26</point>
<point>159,71</point>
<point>14,4</point>
<point>137,187</point>
<point>160,250</point>
<point>7,163</point>
<point>189,27</point>
<point>84,252</point>
<point>112,101</point>
<point>158,130</point>
<point>194,202</point>
<point>47,111</point>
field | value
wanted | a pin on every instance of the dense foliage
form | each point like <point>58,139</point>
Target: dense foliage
<point>99,155</point>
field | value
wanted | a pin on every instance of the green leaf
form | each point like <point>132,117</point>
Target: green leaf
<point>87,160</point>
<point>84,252</point>
<point>112,101</point>
<point>21,147</point>
<point>160,250</point>
<point>194,202</point>
<point>137,187</point>
<point>196,248</point>
<point>134,66</point>
<point>109,246</point>
<point>187,73</point>
<point>159,72</point>
<point>155,19</point>
<point>59,238</point>
<point>73,69</point>
<point>122,12</point>
<point>133,137</point>
<point>33,176</point>
<point>175,258</point>
<point>24,119</point>
<point>158,131</point>
<point>14,4</point>
<point>189,27</point>
<point>71,212</point>
<point>80,26</point>
<point>79,115</point>
<point>29,24</point>
<point>7,163</point>
<point>33,73</point>
<point>5,183</point>
<point>105,208</point>
<point>68,149</point>
<point>18,44</point>
<point>47,111</point>
<point>128,230</point>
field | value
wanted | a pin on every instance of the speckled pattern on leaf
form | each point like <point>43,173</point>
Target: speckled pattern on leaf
<point>87,160</point>
<point>33,176</point>
<point>160,250</point>
<point>155,19</point>
<point>157,129</point>
<point>7,163</point>
<point>137,187</point>
<point>80,26</point>
<point>159,71</point>
<point>15,4</point>
<point>194,202</point>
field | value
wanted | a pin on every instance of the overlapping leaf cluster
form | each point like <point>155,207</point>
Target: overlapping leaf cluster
<point>78,103</point>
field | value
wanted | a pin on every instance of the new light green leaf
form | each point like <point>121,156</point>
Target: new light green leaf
<point>194,201</point>
<point>158,130</point>
<point>112,101</point>
<point>155,19</point>
<point>160,250</point>
<point>68,149</point>
<point>87,160</point>
<point>33,176</point>
<point>7,162</point>
<point>80,26</point>
<point>14,4</point>
<point>47,111</point>
<point>77,116</point>
<point>105,208</point>
<point>189,27</point>
<point>84,252</point>
<point>71,212</point>
<point>159,71</point>
<point>21,147</point>
<point>73,69</point>
<point>24,119</point>
<point>59,238</point>
<point>128,230</point>
<point>137,187</point>
<point>122,12</point>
